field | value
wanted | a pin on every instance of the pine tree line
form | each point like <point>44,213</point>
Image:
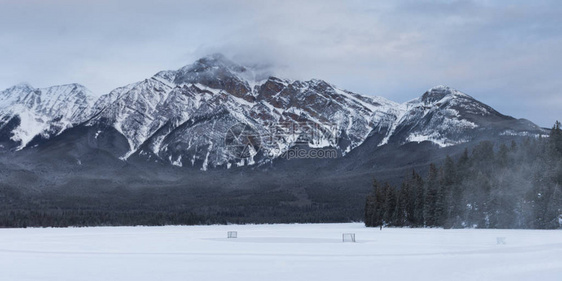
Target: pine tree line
<point>81,218</point>
<point>515,186</point>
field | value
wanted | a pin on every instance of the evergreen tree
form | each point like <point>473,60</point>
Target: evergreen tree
<point>431,197</point>
<point>556,137</point>
<point>451,194</point>
<point>374,206</point>
<point>370,207</point>
<point>401,213</point>
<point>418,192</point>
<point>554,209</point>
<point>513,147</point>
<point>389,205</point>
<point>407,202</point>
<point>502,158</point>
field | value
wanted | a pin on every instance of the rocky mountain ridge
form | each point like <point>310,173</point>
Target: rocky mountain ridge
<point>182,117</point>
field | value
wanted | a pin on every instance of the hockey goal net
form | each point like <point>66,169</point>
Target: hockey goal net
<point>348,237</point>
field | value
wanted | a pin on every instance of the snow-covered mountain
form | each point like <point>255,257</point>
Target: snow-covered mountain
<point>183,117</point>
<point>27,112</point>
<point>446,117</point>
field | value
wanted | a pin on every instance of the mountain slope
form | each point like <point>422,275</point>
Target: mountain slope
<point>27,112</point>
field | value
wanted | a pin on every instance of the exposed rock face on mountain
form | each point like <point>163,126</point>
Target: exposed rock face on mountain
<point>182,117</point>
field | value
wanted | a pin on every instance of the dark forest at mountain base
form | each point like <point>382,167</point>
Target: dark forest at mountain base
<point>516,186</point>
<point>179,206</point>
<point>18,218</point>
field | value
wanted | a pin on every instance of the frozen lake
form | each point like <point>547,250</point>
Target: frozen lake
<point>278,252</point>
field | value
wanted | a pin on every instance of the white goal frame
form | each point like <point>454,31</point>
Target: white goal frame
<point>350,237</point>
<point>232,234</point>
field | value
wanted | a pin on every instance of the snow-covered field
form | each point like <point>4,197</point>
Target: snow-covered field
<point>278,252</point>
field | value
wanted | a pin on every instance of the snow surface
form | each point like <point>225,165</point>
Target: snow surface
<point>278,252</point>
<point>435,138</point>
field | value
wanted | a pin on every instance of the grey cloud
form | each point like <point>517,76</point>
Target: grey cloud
<point>505,53</point>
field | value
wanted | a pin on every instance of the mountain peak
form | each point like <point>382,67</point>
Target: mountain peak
<point>439,92</point>
<point>26,87</point>
<point>21,86</point>
<point>213,62</point>
<point>70,86</point>
<point>218,72</point>
<point>214,57</point>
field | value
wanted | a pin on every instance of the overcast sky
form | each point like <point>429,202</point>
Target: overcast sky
<point>507,54</point>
